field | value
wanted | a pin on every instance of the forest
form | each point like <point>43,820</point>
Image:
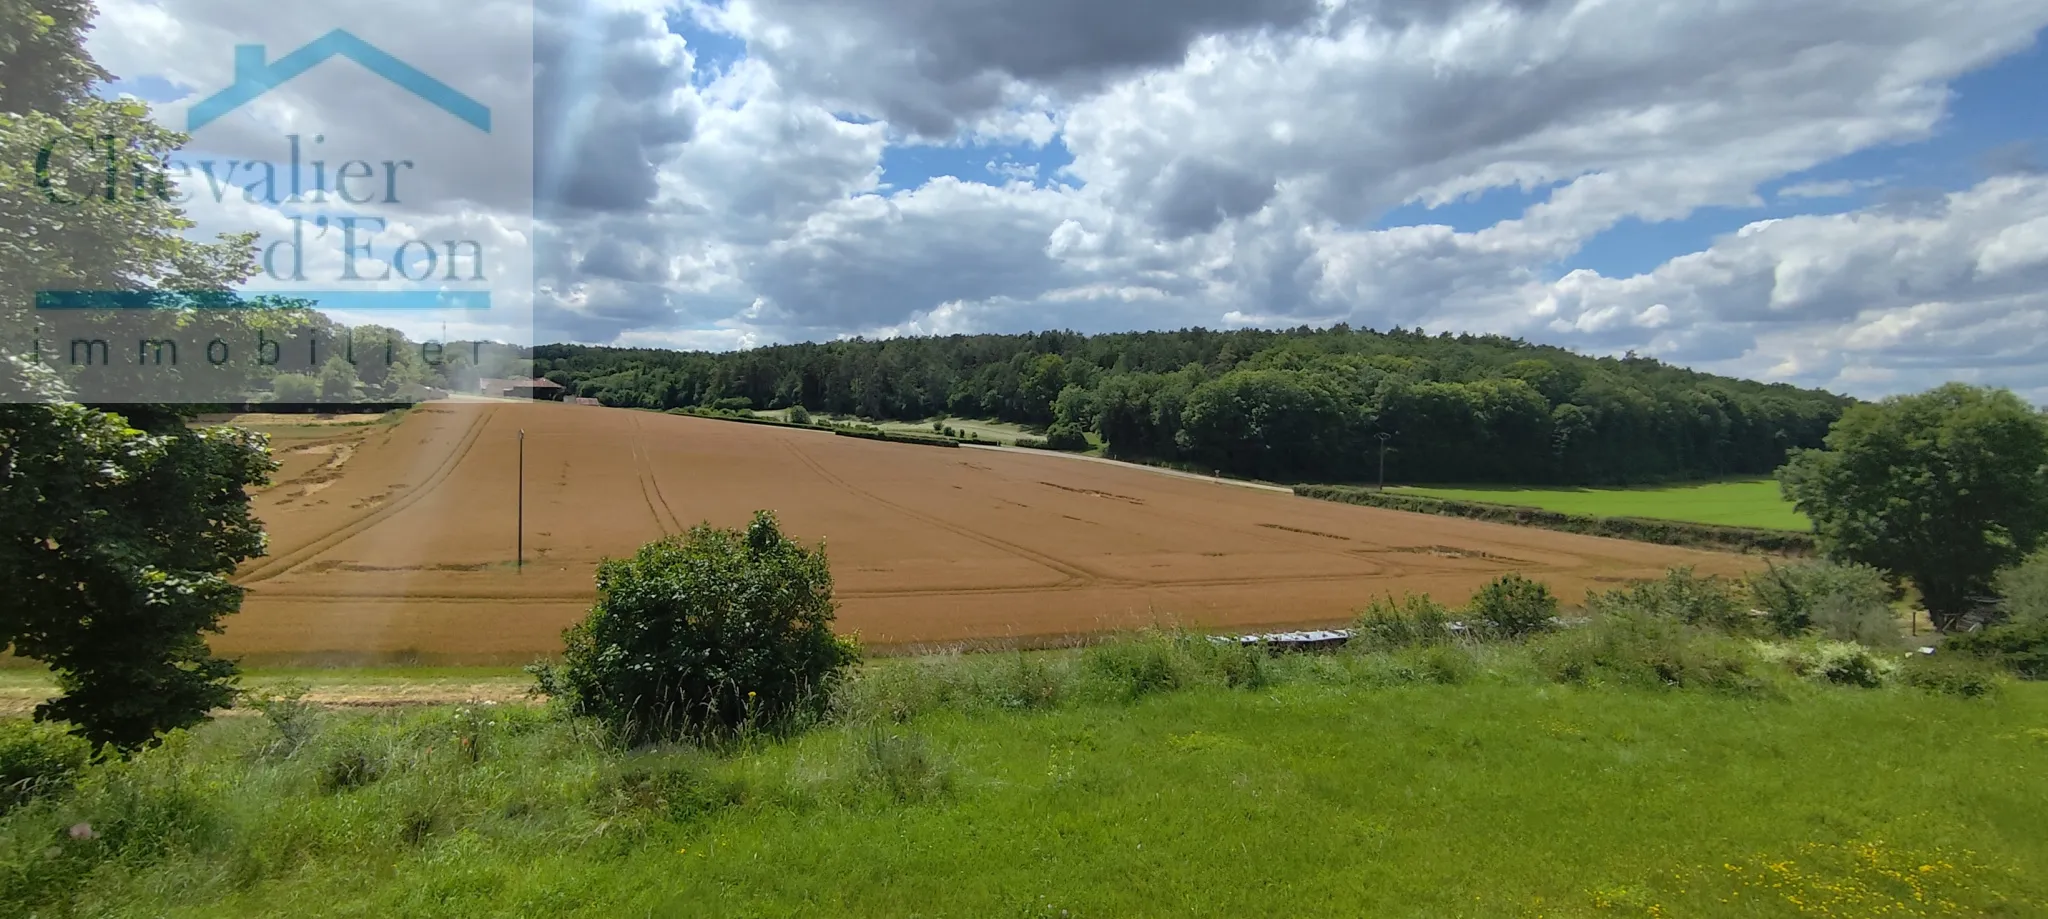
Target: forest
<point>1299,405</point>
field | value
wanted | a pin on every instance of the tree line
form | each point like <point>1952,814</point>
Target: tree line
<point>1301,404</point>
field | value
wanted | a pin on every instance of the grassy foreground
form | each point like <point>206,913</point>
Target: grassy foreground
<point>1441,782</point>
<point>1750,503</point>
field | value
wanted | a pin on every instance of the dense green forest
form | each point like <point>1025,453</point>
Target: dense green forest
<point>1300,404</point>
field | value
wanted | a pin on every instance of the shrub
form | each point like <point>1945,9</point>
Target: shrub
<point>1840,602</point>
<point>2019,645</point>
<point>1707,602</point>
<point>1636,648</point>
<point>1066,436</point>
<point>1842,663</point>
<point>1387,624</point>
<point>1969,679</point>
<point>734,404</point>
<point>703,634</point>
<point>939,427</point>
<point>294,389</point>
<point>37,759</point>
<point>1515,606</point>
<point>797,414</point>
<point>2023,590</point>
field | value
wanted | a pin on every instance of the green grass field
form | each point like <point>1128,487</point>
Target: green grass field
<point>1746,503</point>
<point>1352,787</point>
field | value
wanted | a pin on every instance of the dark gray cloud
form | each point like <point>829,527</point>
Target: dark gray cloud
<point>928,65</point>
<point>604,105</point>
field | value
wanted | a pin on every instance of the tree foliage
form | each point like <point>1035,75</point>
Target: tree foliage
<point>705,633</point>
<point>1300,404</point>
<point>119,525</point>
<point>1944,488</point>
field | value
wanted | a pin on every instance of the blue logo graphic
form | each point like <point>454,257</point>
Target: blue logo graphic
<point>254,77</point>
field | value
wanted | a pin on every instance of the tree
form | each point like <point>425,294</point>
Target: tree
<point>1943,488</point>
<point>119,525</point>
<point>119,538</point>
<point>702,634</point>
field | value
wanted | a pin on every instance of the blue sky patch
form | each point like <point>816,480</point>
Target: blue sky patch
<point>908,166</point>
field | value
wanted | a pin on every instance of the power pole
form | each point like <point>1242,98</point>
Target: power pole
<point>1383,436</point>
<point>519,563</point>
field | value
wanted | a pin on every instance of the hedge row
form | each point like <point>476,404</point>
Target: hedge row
<point>1665,532</point>
<point>900,437</point>
<point>743,419</point>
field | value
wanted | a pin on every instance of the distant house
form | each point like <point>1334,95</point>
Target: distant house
<point>520,388</point>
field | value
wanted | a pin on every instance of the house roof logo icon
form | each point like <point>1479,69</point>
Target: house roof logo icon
<point>254,77</point>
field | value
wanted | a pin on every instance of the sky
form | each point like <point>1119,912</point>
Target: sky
<point>1848,195</point>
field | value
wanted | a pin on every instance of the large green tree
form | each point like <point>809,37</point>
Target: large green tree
<point>119,524</point>
<point>1943,488</point>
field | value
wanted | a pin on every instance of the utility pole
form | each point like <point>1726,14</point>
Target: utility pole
<point>1383,436</point>
<point>519,563</point>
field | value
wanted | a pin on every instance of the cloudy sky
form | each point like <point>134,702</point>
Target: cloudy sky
<point>1843,194</point>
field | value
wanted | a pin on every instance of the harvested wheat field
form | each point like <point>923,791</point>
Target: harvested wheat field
<point>397,540</point>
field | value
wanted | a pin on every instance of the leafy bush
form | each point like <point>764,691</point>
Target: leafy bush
<point>1707,602</point>
<point>2019,645</point>
<point>1840,602</point>
<point>1632,647</point>
<point>1842,663</point>
<point>733,404</point>
<point>1950,676</point>
<point>1387,624</point>
<point>1514,606</point>
<point>294,389</point>
<point>703,634</point>
<point>1066,436</point>
<point>37,759</point>
<point>2023,590</point>
<point>797,414</point>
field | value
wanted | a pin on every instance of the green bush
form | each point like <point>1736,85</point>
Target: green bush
<point>1842,663</point>
<point>1514,606</point>
<point>1387,624</point>
<point>294,389</point>
<point>2023,590</point>
<point>1636,648</point>
<point>2018,645</point>
<point>1066,436</point>
<point>37,759</point>
<point>705,634</point>
<point>733,404</point>
<point>1707,602</point>
<point>1837,601</point>
<point>797,414</point>
<point>1950,676</point>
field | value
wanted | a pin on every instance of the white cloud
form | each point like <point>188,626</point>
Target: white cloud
<point>1230,159</point>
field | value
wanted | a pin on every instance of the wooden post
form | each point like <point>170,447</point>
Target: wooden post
<point>519,560</point>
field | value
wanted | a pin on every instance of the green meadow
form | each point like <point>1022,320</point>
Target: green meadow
<point>1744,503</point>
<point>1122,781</point>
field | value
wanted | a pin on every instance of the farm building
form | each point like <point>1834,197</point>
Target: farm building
<point>520,389</point>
